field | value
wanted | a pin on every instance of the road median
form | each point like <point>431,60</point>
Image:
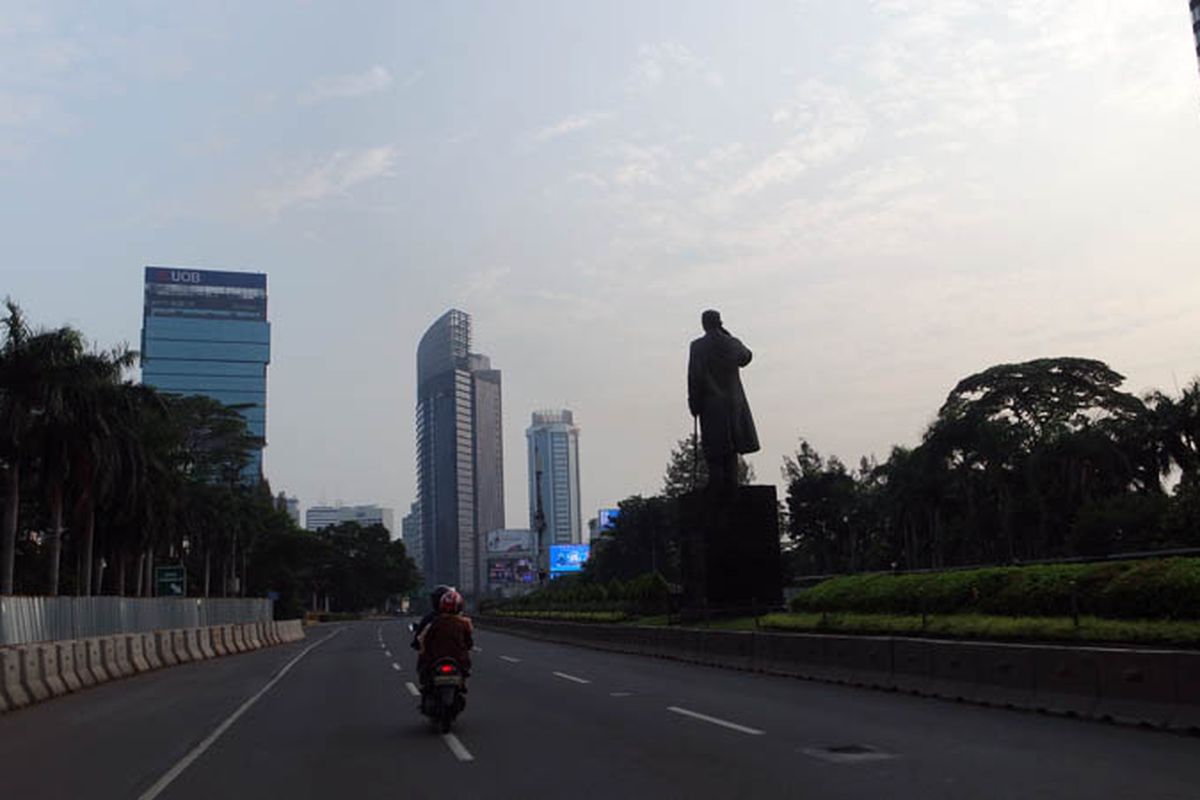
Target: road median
<point>1152,687</point>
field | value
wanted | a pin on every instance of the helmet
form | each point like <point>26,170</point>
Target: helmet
<point>451,602</point>
<point>436,595</point>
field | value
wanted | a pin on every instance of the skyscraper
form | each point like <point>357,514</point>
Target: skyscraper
<point>553,442</point>
<point>206,332</point>
<point>460,455</point>
<point>1195,6</point>
<point>410,532</point>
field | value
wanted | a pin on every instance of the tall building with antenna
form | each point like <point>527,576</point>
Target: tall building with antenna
<point>554,504</point>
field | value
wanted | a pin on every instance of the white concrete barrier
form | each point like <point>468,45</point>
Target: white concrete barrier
<point>121,652</point>
<point>166,648</point>
<point>95,660</point>
<point>150,650</point>
<point>11,687</point>
<point>137,652</point>
<point>204,635</point>
<point>191,640</point>
<point>48,664</point>
<point>179,645</point>
<point>82,668</point>
<point>66,666</point>
<point>31,673</point>
<point>217,633</point>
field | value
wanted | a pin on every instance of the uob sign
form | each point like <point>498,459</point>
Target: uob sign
<point>181,276</point>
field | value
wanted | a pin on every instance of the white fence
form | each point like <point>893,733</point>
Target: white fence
<point>36,619</point>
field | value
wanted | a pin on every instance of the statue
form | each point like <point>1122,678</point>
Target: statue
<point>715,395</point>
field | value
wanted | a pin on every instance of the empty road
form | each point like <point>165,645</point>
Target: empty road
<point>333,717</point>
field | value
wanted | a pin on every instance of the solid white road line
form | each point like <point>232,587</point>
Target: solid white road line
<point>412,689</point>
<point>567,677</point>
<point>620,694</point>
<point>733,726</point>
<point>174,772</point>
<point>395,666</point>
<point>456,747</point>
<point>510,659</point>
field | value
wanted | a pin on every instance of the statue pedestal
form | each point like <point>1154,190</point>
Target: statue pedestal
<point>730,550</point>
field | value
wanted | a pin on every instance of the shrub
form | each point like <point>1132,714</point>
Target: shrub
<point>1159,588</point>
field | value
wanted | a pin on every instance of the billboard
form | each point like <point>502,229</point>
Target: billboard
<point>510,540</point>
<point>608,518</point>
<point>568,557</point>
<point>508,571</point>
<point>189,276</point>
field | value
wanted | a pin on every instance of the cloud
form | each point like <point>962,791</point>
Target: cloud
<point>657,61</point>
<point>575,122</point>
<point>829,125</point>
<point>336,87</point>
<point>332,177</point>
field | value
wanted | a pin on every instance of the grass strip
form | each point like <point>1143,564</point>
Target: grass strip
<point>1091,630</point>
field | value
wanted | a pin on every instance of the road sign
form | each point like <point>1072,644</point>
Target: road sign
<point>170,581</point>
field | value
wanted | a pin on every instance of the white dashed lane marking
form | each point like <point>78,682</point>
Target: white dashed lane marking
<point>571,678</point>
<point>412,689</point>
<point>456,747</point>
<point>510,659</point>
<point>395,666</point>
<point>733,726</point>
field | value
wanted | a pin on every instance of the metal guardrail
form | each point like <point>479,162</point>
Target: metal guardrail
<point>37,619</point>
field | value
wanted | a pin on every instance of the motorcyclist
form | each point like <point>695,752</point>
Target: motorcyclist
<point>434,598</point>
<point>449,635</point>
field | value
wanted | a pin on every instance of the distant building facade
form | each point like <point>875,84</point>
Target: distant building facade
<point>1195,7</point>
<point>410,532</point>
<point>291,505</point>
<point>553,445</point>
<point>460,455</point>
<point>206,332</point>
<point>319,517</point>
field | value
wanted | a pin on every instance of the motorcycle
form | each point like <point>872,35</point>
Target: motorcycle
<point>442,698</point>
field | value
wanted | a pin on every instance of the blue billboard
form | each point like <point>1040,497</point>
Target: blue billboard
<point>608,519</point>
<point>568,557</point>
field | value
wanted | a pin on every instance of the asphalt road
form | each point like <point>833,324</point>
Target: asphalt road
<point>333,717</point>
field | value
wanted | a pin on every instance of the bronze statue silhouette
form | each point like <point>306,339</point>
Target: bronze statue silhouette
<point>716,397</point>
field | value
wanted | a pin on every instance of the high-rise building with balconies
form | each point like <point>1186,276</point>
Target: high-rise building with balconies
<point>553,444</point>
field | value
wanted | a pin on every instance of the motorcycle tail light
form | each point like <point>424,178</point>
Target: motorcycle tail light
<point>446,669</point>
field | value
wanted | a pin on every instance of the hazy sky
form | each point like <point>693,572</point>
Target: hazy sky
<point>881,197</point>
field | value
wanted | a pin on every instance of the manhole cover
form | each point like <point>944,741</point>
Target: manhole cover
<point>847,753</point>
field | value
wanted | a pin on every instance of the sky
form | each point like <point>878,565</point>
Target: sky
<point>882,197</point>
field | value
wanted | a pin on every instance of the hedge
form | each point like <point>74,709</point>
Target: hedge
<point>645,594</point>
<point>1151,589</point>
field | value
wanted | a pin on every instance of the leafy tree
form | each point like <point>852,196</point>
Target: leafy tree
<point>687,471</point>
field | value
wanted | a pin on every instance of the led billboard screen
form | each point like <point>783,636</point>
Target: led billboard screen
<point>608,518</point>
<point>507,571</point>
<point>568,557</point>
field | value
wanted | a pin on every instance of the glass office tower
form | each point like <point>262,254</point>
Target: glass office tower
<point>553,443</point>
<point>206,332</point>
<point>460,457</point>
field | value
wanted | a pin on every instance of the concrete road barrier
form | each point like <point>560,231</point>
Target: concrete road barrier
<point>150,650</point>
<point>47,655</point>
<point>217,634</point>
<point>121,651</point>
<point>31,673</point>
<point>292,630</point>
<point>179,645</point>
<point>955,670</point>
<point>1137,686</point>
<point>11,686</point>
<point>82,666</point>
<point>267,633</point>
<point>95,659</point>
<point>251,637</point>
<point>66,665</point>
<point>1187,693</point>
<point>239,639</point>
<point>166,647</point>
<point>137,652</point>
<point>1068,680</point>
<point>191,639</point>
<point>912,662</point>
<point>861,660</point>
<point>204,637</point>
<point>1007,675</point>
<point>108,657</point>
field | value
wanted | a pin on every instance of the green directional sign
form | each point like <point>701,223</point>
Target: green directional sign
<point>170,581</point>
